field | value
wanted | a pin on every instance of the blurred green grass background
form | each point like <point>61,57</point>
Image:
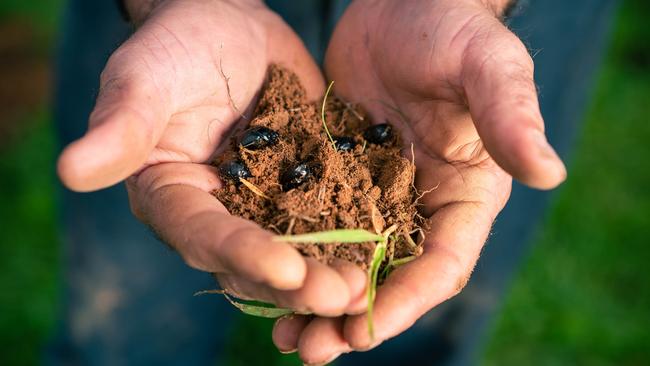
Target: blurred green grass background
<point>581,298</point>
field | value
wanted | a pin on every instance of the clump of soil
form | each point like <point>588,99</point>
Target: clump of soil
<point>360,185</point>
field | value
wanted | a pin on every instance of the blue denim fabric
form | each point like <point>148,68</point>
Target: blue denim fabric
<point>127,298</point>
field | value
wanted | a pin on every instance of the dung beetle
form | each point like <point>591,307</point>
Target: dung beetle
<point>298,174</point>
<point>378,134</point>
<point>258,138</point>
<point>344,143</point>
<point>233,170</point>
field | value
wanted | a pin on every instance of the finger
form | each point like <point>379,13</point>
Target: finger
<point>287,330</point>
<point>129,117</point>
<point>322,341</point>
<point>174,199</point>
<point>324,292</point>
<point>244,289</point>
<point>497,77</point>
<point>356,281</point>
<point>452,247</point>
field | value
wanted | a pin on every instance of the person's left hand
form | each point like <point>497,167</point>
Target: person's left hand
<point>168,99</point>
<point>459,86</point>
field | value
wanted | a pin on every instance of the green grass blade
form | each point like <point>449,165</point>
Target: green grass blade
<point>393,264</point>
<point>377,257</point>
<point>254,308</point>
<point>402,261</point>
<point>259,309</point>
<point>332,236</point>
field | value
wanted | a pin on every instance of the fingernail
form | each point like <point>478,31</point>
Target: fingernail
<point>334,357</point>
<point>543,146</point>
<point>285,317</point>
<point>371,346</point>
<point>288,352</point>
<point>548,153</point>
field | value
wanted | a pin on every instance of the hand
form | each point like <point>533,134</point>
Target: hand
<point>164,107</point>
<point>459,85</point>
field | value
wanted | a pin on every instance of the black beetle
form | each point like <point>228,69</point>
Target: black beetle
<point>298,174</point>
<point>344,143</point>
<point>378,134</point>
<point>233,170</point>
<point>258,138</point>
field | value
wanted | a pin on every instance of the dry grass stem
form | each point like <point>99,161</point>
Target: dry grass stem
<point>308,219</point>
<point>227,80</point>
<point>292,222</point>
<point>254,188</point>
<point>322,113</point>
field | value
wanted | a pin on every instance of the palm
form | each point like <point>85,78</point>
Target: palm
<point>205,55</point>
<point>196,57</point>
<point>417,86</point>
<point>170,79</point>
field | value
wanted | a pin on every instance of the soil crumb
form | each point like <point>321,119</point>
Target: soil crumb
<point>308,186</point>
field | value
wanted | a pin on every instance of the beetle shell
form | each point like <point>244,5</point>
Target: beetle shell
<point>378,134</point>
<point>344,143</point>
<point>233,170</point>
<point>259,137</point>
<point>298,174</point>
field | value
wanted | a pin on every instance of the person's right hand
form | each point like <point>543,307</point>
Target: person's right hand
<point>163,108</point>
<point>459,86</point>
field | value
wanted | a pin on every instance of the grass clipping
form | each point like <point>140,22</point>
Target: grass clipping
<point>265,310</point>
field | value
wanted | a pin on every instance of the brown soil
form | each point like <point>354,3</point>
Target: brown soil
<point>369,187</point>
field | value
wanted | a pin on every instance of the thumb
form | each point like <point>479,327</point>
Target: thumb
<point>497,77</point>
<point>128,119</point>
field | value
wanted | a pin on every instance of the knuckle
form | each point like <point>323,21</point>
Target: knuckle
<point>461,282</point>
<point>117,61</point>
<point>456,271</point>
<point>135,203</point>
<point>233,287</point>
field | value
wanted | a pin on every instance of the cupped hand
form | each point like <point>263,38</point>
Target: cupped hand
<point>168,98</point>
<point>459,85</point>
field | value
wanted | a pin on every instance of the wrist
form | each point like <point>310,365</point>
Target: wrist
<point>138,11</point>
<point>498,7</point>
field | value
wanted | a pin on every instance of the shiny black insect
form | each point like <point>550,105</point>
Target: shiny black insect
<point>233,170</point>
<point>258,138</point>
<point>378,134</point>
<point>344,143</point>
<point>298,174</point>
